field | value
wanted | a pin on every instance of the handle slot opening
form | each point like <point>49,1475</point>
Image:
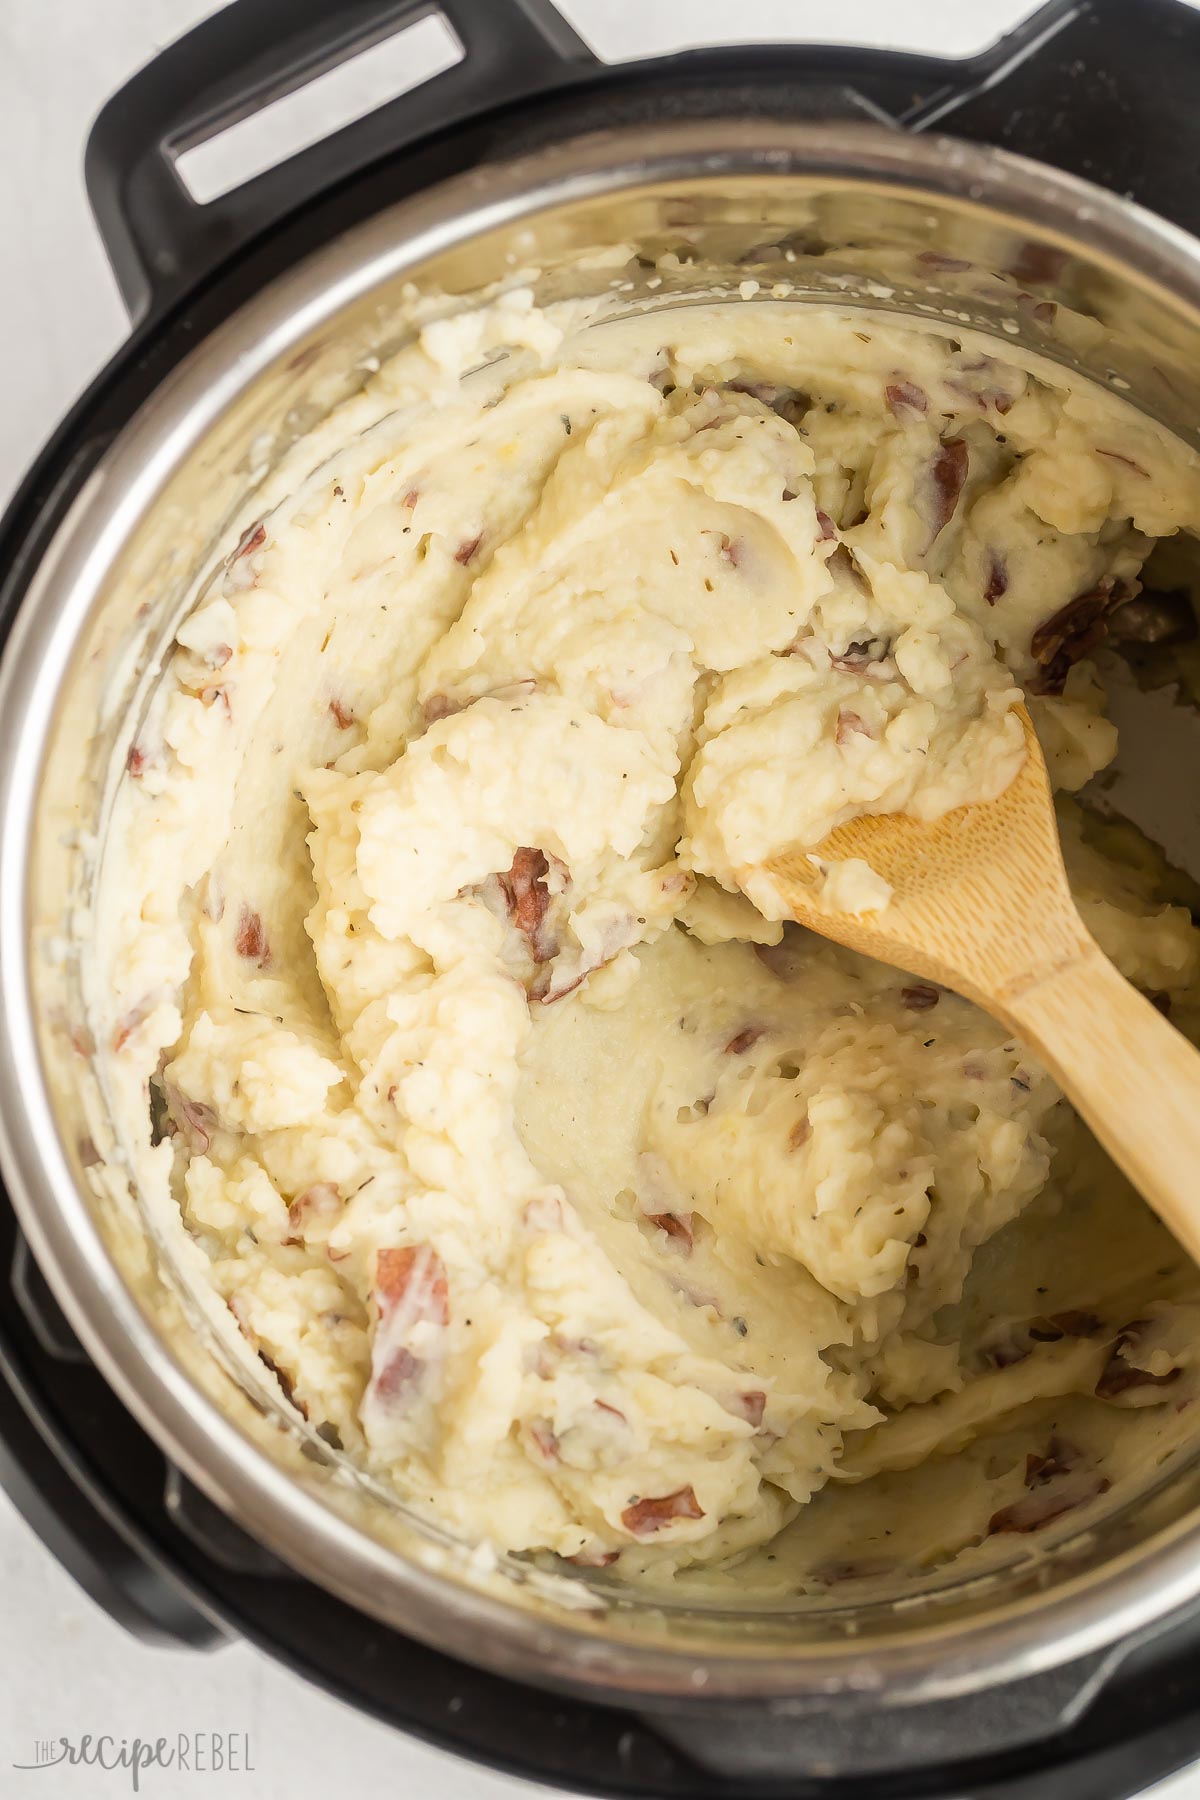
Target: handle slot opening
<point>354,87</point>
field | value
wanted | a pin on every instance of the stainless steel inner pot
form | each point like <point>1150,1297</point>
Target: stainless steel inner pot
<point>851,213</point>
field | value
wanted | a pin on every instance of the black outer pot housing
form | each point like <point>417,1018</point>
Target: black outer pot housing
<point>1100,88</point>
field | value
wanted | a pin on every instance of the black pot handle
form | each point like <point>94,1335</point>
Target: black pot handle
<point>864,1740</point>
<point>160,241</point>
<point>1095,87</point>
<point>1108,92</point>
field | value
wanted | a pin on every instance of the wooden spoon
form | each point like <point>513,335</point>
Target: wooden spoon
<point>981,905</point>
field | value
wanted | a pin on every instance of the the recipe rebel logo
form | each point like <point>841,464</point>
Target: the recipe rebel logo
<point>187,1752</point>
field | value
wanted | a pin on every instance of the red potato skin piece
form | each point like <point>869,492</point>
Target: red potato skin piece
<point>1067,635</point>
<point>401,1370</point>
<point>414,1274</point>
<point>642,1518</point>
<point>937,259</point>
<point>544,1214</point>
<point>1074,620</point>
<point>1037,1508</point>
<point>412,1278</point>
<point>1118,1375</point>
<point>676,1225</point>
<point>440,706</point>
<point>859,655</point>
<point>196,1121</point>
<point>1037,263</point>
<point>548,999</point>
<point>948,472</point>
<point>996,585</point>
<point>341,715</point>
<point>126,1025</point>
<point>1005,1353</point>
<point>545,1439</point>
<point>1060,1458</point>
<point>849,725</point>
<point>250,939</point>
<point>751,1405</point>
<point>906,397</point>
<point>983,398</point>
<point>743,1040</point>
<point>1051,1329</point>
<point>920,998</point>
<point>237,1307</point>
<point>1075,1322</point>
<point>285,1381</point>
<point>321,1199</point>
<point>250,540</point>
<point>528,899</point>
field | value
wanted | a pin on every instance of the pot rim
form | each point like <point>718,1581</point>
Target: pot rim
<point>1082,1616</point>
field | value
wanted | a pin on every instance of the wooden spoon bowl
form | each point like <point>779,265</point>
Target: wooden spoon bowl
<point>981,904</point>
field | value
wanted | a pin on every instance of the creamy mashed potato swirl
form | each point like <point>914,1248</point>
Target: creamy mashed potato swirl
<point>550,1178</point>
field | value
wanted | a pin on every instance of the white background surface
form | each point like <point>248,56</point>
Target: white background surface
<point>64,1667</point>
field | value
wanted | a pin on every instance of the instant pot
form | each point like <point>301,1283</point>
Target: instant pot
<point>187,1498</point>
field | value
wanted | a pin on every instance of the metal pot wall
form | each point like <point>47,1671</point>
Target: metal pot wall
<point>751,169</point>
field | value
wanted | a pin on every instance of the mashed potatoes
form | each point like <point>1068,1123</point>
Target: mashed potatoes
<point>553,1181</point>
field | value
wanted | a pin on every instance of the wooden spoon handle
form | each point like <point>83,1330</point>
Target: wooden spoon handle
<point>1133,1077</point>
